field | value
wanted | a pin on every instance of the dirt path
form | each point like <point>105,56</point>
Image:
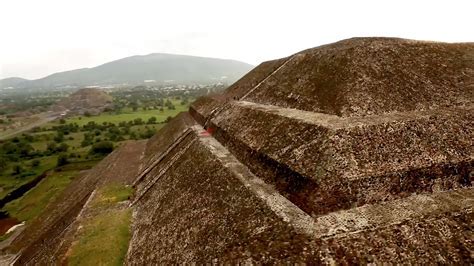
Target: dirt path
<point>43,118</point>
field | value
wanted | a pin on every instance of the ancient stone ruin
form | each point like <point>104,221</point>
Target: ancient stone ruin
<point>357,151</point>
<point>88,100</point>
<point>354,152</point>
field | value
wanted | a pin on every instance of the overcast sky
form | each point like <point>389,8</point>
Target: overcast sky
<point>42,37</point>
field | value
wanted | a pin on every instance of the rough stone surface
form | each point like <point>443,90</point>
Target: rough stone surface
<point>311,157</point>
<point>354,152</point>
<point>366,76</point>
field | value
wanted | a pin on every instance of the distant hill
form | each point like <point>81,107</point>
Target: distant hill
<point>135,70</point>
<point>11,82</point>
<point>92,101</point>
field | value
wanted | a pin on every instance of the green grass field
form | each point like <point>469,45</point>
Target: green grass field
<point>9,182</point>
<point>111,194</point>
<point>103,238</point>
<point>35,201</point>
<point>126,115</point>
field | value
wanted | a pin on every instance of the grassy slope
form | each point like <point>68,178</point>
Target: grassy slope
<point>104,236</point>
<point>34,201</point>
<point>104,240</point>
<point>9,182</point>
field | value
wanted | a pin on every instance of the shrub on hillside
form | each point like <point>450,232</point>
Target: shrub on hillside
<point>151,120</point>
<point>17,169</point>
<point>35,163</point>
<point>62,160</point>
<point>3,163</point>
<point>102,147</point>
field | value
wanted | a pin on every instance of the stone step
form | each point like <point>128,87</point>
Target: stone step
<point>206,202</point>
<point>252,79</point>
<point>159,156</point>
<point>281,206</point>
<point>436,230</point>
<point>167,135</point>
<point>205,108</point>
<point>209,207</point>
<point>179,151</point>
<point>165,160</point>
<point>370,217</point>
<point>324,163</point>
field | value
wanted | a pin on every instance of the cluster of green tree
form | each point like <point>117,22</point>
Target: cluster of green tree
<point>146,93</point>
<point>65,129</point>
<point>18,149</point>
<point>98,149</point>
<point>118,133</point>
<point>158,104</point>
<point>14,151</point>
<point>153,98</point>
<point>36,102</point>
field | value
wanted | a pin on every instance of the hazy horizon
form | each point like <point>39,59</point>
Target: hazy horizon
<point>44,37</point>
<point>116,59</point>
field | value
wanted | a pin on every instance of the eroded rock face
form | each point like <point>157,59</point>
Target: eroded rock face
<point>358,151</point>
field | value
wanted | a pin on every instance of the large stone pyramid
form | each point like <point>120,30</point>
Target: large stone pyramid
<point>353,152</point>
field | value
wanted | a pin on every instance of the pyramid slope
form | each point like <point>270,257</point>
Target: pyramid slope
<point>355,152</point>
<point>367,76</point>
<point>350,152</point>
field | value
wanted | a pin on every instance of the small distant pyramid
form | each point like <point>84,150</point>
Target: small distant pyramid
<point>87,100</point>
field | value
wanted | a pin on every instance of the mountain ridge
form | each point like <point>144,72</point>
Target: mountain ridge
<point>134,70</point>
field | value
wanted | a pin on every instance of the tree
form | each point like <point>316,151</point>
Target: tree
<point>59,137</point>
<point>24,149</point>
<point>3,163</point>
<point>138,121</point>
<point>62,121</point>
<point>86,142</point>
<point>28,137</point>
<point>51,147</point>
<point>62,160</point>
<point>35,163</point>
<point>17,169</point>
<point>63,147</point>
<point>148,133</point>
<point>151,120</point>
<point>103,147</point>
